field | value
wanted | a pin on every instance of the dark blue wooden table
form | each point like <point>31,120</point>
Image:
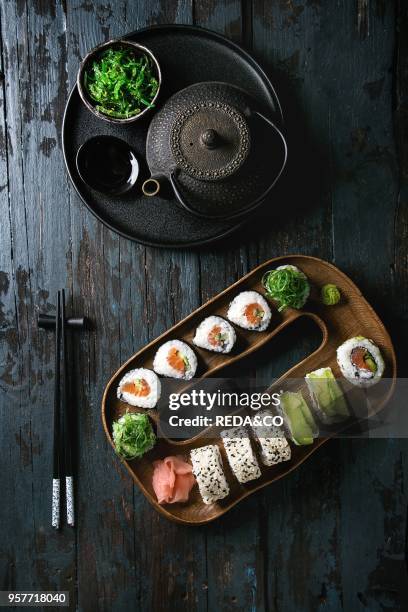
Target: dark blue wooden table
<point>332,535</point>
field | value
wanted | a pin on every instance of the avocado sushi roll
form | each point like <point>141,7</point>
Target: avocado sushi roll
<point>298,418</point>
<point>360,361</point>
<point>250,310</point>
<point>140,387</point>
<point>175,359</point>
<point>327,397</point>
<point>215,334</point>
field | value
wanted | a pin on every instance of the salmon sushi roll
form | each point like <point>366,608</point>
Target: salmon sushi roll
<point>175,359</point>
<point>215,334</point>
<point>360,361</point>
<point>250,310</point>
<point>140,387</point>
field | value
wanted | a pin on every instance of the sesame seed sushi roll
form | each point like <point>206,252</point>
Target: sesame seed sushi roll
<point>140,387</point>
<point>240,455</point>
<point>175,359</point>
<point>327,397</point>
<point>209,473</point>
<point>274,447</point>
<point>250,310</point>
<point>215,334</point>
<point>360,361</point>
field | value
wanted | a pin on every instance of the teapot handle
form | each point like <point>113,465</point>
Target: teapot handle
<point>177,191</point>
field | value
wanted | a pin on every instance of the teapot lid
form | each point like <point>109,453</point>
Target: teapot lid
<point>209,140</point>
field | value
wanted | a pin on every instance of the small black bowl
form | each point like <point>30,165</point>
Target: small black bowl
<point>107,164</point>
<point>93,54</point>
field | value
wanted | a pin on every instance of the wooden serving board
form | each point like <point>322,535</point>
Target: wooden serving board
<point>352,316</point>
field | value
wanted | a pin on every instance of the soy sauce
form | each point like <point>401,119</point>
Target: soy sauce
<point>107,164</point>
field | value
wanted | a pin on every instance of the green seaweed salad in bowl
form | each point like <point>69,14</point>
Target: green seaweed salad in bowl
<point>119,81</point>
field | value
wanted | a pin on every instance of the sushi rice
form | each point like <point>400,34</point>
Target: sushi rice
<point>360,361</point>
<point>175,359</point>
<point>274,447</point>
<point>240,455</point>
<point>209,473</point>
<point>215,334</point>
<point>250,310</point>
<point>140,387</point>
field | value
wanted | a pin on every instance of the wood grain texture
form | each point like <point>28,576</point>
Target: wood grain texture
<point>329,537</point>
<point>235,573</point>
<point>352,317</point>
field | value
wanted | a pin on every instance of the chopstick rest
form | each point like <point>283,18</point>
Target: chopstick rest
<point>46,321</point>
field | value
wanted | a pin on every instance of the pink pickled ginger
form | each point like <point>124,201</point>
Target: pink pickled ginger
<point>172,480</point>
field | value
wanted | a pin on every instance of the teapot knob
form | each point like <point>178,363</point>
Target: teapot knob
<point>210,139</point>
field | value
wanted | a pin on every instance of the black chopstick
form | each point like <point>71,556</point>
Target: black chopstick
<point>56,469</point>
<point>69,477</point>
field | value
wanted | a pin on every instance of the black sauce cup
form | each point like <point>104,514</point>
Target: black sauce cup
<point>107,164</point>
<point>138,50</point>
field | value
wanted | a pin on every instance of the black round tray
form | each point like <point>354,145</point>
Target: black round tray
<point>187,55</point>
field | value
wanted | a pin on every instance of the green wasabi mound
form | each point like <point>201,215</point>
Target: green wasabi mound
<point>330,294</point>
<point>298,418</point>
<point>133,435</point>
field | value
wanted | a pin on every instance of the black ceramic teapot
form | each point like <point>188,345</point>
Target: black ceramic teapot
<point>220,154</point>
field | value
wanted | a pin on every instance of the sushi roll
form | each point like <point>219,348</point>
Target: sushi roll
<point>274,447</point>
<point>208,471</point>
<point>298,418</point>
<point>288,286</point>
<point>250,310</point>
<point>360,361</point>
<point>175,359</point>
<point>240,455</point>
<point>215,334</point>
<point>327,397</point>
<point>306,286</point>
<point>140,387</point>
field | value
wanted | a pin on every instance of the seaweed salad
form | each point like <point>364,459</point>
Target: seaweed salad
<point>121,83</point>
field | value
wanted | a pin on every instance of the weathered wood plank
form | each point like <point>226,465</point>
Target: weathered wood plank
<point>37,220</point>
<point>143,292</point>
<point>235,563</point>
<point>301,200</point>
<point>300,544</point>
<point>364,206</point>
<point>321,83</point>
<point>399,313</point>
<point>374,503</point>
<point>374,569</point>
